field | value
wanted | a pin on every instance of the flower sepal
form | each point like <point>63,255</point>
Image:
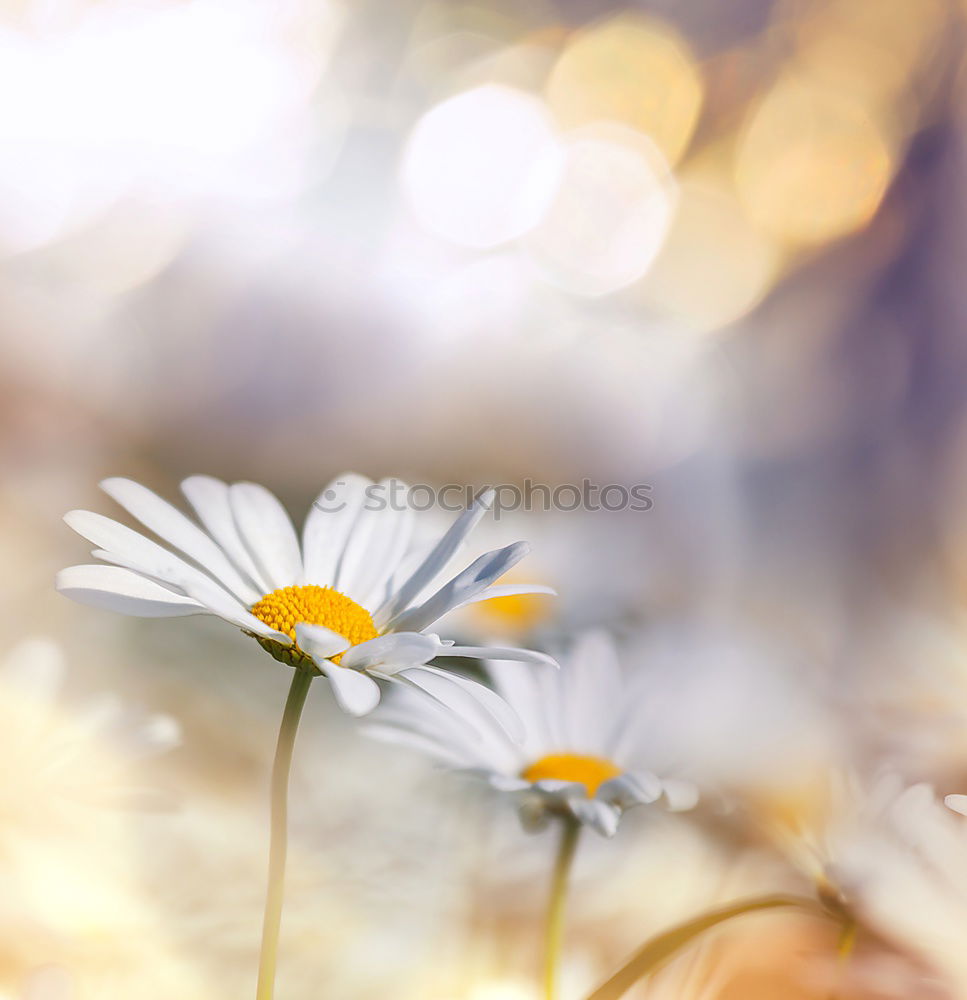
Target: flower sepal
<point>291,656</point>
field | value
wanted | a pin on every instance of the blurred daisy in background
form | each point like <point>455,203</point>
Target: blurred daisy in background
<point>580,754</point>
<point>889,864</point>
<point>578,762</point>
<point>65,859</point>
<point>352,602</point>
<point>48,740</point>
<point>826,825</point>
<point>599,570</point>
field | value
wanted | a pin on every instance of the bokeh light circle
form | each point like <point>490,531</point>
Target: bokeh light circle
<point>811,165</point>
<point>481,168</point>
<point>715,265</point>
<point>610,215</point>
<point>633,70</point>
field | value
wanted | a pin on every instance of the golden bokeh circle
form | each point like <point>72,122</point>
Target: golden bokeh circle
<point>634,70</point>
<point>811,165</point>
<point>711,246</point>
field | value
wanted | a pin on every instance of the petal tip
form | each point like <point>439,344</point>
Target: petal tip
<point>73,519</point>
<point>958,803</point>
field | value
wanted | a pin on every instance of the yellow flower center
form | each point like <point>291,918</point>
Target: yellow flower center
<point>516,613</point>
<point>312,605</point>
<point>802,803</point>
<point>592,772</point>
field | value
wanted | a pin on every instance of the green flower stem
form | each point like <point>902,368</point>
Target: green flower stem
<point>847,940</point>
<point>845,946</point>
<point>655,952</point>
<point>554,934</point>
<point>268,955</point>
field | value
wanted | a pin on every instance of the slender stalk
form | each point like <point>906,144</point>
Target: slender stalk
<point>278,841</point>
<point>658,950</point>
<point>556,905</point>
<point>847,941</point>
<point>845,946</point>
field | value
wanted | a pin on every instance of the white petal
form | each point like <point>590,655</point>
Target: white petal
<point>414,741</point>
<point>477,737</point>
<point>631,789</point>
<point>378,541</point>
<point>679,795</point>
<point>550,687</point>
<point>522,687</point>
<point>328,523</point>
<point>479,575</point>
<point>598,815</point>
<point>213,599</point>
<point>118,539</point>
<point>121,590</point>
<point>503,714</point>
<point>390,653</point>
<point>507,590</point>
<point>507,782</point>
<point>209,498</point>
<point>318,642</point>
<point>501,653</point>
<point>561,788</point>
<point>355,692</point>
<point>132,550</point>
<point>411,710</point>
<point>592,683</point>
<point>956,802</point>
<point>128,549</point>
<point>435,561</point>
<point>170,524</point>
<point>477,704</point>
<point>268,534</point>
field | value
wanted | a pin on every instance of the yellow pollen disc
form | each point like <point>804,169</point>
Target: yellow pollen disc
<point>311,605</point>
<point>592,772</point>
<point>516,611</point>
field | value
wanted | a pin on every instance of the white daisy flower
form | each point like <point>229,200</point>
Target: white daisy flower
<point>900,865</point>
<point>888,865</point>
<point>840,828</point>
<point>596,560</point>
<point>353,601</point>
<point>581,756</point>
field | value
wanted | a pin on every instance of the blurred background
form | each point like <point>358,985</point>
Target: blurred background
<point>717,248</point>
